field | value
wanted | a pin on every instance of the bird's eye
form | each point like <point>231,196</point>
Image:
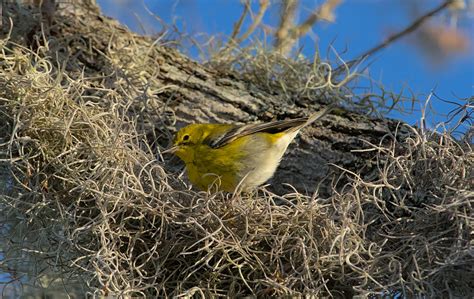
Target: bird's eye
<point>185,137</point>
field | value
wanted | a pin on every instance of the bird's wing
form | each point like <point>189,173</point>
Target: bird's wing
<point>271,128</point>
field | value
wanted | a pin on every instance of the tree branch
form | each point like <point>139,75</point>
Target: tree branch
<point>238,25</point>
<point>287,19</point>
<point>258,19</point>
<point>293,33</point>
<point>410,28</point>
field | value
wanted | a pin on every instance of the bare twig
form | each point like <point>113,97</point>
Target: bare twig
<point>258,19</point>
<point>287,41</point>
<point>410,28</point>
<point>287,19</point>
<point>324,12</point>
<point>234,39</point>
<point>238,25</point>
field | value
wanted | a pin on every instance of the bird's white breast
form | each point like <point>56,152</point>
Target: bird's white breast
<point>262,164</point>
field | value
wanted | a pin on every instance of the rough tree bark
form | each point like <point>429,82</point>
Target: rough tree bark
<point>198,93</point>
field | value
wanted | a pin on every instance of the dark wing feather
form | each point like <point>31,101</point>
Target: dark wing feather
<point>271,127</point>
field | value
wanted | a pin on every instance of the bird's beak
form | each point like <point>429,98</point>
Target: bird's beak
<point>171,150</point>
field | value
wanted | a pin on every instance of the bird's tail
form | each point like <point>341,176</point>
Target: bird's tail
<point>317,115</point>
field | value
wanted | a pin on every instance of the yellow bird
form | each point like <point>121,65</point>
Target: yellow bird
<point>236,156</point>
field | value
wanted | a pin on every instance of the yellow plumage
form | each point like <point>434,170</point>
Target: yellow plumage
<point>228,156</point>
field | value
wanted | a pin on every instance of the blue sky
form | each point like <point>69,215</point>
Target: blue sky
<point>359,25</point>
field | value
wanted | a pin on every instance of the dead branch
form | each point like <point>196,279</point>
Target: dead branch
<point>394,37</point>
<point>323,12</point>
